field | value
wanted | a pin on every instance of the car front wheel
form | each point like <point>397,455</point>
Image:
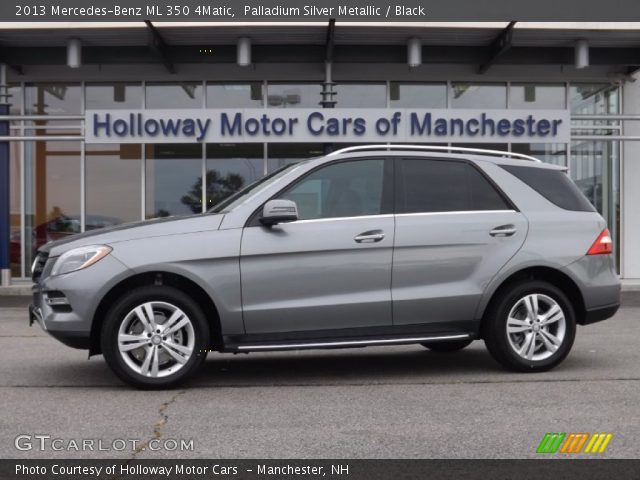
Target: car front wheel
<point>155,337</point>
<point>530,327</point>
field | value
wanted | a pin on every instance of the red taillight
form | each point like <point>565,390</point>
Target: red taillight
<point>602,245</point>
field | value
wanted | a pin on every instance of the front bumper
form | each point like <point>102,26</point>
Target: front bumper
<point>71,322</point>
<point>72,339</point>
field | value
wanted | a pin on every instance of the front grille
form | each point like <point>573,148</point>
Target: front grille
<point>38,266</point>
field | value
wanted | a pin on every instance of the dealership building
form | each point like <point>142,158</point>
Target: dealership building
<point>107,123</point>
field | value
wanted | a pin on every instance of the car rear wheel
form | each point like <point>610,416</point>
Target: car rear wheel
<point>530,327</point>
<point>155,337</point>
<point>446,347</point>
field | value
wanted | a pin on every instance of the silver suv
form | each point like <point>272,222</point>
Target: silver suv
<point>370,245</point>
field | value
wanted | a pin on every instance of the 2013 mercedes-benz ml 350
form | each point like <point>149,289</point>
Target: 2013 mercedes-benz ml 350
<point>369,245</point>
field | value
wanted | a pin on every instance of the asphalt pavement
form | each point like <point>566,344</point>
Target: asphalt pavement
<point>376,402</point>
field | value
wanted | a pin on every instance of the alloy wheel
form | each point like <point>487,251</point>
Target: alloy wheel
<point>536,327</point>
<point>156,339</point>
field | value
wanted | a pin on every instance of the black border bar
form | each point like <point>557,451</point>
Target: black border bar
<point>320,10</point>
<point>535,469</point>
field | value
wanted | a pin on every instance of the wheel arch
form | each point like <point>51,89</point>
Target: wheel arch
<point>551,275</point>
<point>175,280</point>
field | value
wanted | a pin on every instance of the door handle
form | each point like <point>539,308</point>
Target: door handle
<point>369,237</point>
<point>503,231</point>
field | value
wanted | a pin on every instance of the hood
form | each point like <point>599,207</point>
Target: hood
<point>134,231</point>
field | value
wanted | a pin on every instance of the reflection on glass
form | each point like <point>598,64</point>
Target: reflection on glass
<point>173,177</point>
<point>113,95</point>
<point>478,95</point>
<point>595,167</point>
<point>53,99</point>
<point>281,154</point>
<point>15,188</point>
<point>555,153</point>
<point>113,184</point>
<point>590,98</point>
<point>418,95</point>
<point>174,95</point>
<point>52,191</point>
<point>300,95</point>
<point>595,99</point>
<point>345,189</point>
<point>241,95</point>
<point>535,95</point>
<point>371,95</point>
<point>230,167</point>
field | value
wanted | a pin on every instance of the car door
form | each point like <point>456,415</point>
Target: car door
<point>331,269</point>
<point>454,231</point>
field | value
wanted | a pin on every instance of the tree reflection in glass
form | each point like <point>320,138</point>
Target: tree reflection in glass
<point>218,188</point>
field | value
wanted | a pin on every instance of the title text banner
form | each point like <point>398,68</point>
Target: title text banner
<point>339,125</point>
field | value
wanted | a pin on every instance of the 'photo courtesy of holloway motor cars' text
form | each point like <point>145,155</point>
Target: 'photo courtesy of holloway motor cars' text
<point>330,239</point>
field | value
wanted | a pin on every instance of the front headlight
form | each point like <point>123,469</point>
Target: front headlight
<point>79,258</point>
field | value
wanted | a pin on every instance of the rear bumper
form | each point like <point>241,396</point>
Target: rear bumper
<point>598,314</point>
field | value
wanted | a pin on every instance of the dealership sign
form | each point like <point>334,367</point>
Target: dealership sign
<point>337,125</point>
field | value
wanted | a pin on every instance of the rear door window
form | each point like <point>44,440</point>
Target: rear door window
<point>430,185</point>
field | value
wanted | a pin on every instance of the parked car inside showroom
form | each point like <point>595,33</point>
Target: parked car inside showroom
<point>369,245</point>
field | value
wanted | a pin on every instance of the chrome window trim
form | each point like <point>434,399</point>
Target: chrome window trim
<point>453,212</point>
<point>390,215</point>
<point>329,219</point>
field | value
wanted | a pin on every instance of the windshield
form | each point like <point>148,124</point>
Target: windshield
<point>243,195</point>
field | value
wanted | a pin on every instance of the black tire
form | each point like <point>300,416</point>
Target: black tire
<point>447,346</point>
<point>119,312</point>
<point>497,340</point>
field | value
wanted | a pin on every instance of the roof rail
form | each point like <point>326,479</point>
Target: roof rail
<point>479,151</point>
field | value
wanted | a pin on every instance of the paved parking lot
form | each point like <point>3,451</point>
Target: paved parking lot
<point>383,402</point>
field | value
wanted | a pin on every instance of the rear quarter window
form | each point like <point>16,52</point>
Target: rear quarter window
<point>554,185</point>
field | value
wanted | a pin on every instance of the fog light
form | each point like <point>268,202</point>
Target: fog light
<point>56,299</point>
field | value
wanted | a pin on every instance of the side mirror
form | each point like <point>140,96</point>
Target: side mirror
<point>279,211</point>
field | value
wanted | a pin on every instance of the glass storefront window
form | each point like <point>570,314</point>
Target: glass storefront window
<point>555,153</point>
<point>595,165</point>
<point>418,95</point>
<point>536,95</point>
<point>231,167</point>
<point>113,95</point>
<point>595,99</point>
<point>113,184</point>
<point>173,178</point>
<point>478,95</point>
<point>174,95</point>
<point>281,154</point>
<point>15,186</point>
<point>290,95</point>
<point>595,168</point>
<point>241,95</point>
<point>53,99</point>
<point>364,95</point>
<point>52,171</point>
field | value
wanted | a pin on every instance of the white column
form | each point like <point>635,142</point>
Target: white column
<point>630,195</point>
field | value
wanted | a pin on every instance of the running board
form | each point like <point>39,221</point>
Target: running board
<point>351,343</point>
